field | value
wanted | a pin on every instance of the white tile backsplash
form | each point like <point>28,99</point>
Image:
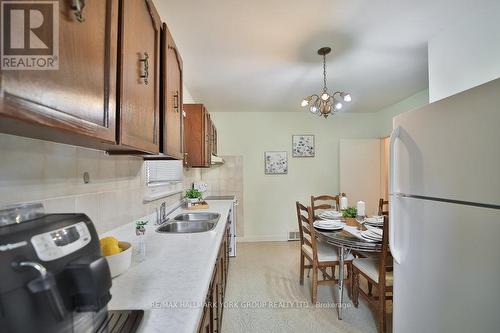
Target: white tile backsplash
<point>227,179</point>
<point>60,205</point>
<point>33,170</point>
<point>38,171</point>
<point>88,204</point>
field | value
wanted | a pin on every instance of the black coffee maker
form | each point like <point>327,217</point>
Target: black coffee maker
<point>53,277</point>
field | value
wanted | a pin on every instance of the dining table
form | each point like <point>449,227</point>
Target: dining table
<point>347,242</point>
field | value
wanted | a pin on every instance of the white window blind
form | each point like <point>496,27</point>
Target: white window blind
<point>163,172</point>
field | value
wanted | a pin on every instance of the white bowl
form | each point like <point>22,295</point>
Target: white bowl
<point>120,262</point>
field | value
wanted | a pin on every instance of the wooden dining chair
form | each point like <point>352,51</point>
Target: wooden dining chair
<point>321,256</point>
<point>377,272</point>
<point>381,204</point>
<point>324,202</point>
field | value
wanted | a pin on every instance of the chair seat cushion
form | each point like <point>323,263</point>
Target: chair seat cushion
<point>369,267</point>
<point>326,252</point>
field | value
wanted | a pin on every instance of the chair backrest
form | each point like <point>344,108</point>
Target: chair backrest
<point>307,232</point>
<point>385,263</point>
<point>381,204</point>
<point>324,202</point>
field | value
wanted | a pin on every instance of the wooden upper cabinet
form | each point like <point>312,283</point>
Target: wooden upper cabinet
<point>106,92</point>
<point>171,111</point>
<point>214,139</point>
<point>140,29</point>
<point>75,104</point>
<point>196,136</point>
<point>208,139</point>
<point>200,136</point>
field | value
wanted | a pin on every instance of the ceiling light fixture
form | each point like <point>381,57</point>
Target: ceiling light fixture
<point>325,104</point>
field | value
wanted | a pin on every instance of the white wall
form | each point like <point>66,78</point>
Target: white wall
<point>465,55</point>
<point>413,102</point>
<point>360,175</point>
<point>186,95</point>
<point>270,199</point>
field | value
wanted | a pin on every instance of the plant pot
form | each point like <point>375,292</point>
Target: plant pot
<point>351,221</point>
<point>193,200</point>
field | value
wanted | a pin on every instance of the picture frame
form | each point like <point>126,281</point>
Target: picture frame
<point>275,162</point>
<point>303,145</point>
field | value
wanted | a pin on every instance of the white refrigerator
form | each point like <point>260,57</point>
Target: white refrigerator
<point>444,226</point>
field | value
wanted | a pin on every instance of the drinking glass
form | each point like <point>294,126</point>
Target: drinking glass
<point>360,219</point>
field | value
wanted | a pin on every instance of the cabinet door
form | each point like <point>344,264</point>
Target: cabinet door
<point>171,97</point>
<point>226,253</point>
<point>205,325</point>
<point>76,103</point>
<point>194,124</point>
<point>208,138</point>
<point>214,140</point>
<point>140,71</point>
<point>220,295</point>
<point>215,315</point>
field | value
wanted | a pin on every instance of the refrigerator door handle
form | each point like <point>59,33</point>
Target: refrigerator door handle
<point>392,179</point>
<point>392,159</point>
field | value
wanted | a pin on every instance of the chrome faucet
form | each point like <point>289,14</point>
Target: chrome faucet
<point>163,208</point>
<point>161,216</point>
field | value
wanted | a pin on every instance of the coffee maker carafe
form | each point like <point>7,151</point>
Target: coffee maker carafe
<point>53,276</point>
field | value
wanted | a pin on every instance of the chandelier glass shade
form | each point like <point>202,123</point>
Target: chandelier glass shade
<point>325,103</point>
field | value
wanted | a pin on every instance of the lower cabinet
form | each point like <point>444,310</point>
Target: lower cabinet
<point>211,321</point>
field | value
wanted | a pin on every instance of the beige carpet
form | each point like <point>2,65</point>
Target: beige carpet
<point>263,295</point>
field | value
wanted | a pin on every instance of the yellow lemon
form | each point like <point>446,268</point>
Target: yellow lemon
<point>108,241</point>
<point>110,249</point>
<point>109,246</point>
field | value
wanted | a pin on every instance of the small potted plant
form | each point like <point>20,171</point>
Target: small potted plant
<point>193,195</point>
<point>350,215</point>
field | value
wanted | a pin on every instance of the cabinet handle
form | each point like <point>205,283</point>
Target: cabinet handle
<point>186,158</point>
<point>176,101</point>
<point>145,68</point>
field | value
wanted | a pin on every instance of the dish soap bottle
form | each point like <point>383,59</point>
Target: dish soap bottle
<point>140,231</point>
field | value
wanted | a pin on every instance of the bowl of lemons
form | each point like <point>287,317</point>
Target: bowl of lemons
<point>118,254</point>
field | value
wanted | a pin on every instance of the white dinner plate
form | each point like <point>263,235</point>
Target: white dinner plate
<point>371,240</point>
<point>374,223</point>
<point>330,214</point>
<point>371,236</point>
<point>329,221</point>
<point>329,226</point>
<point>374,220</point>
<point>376,231</point>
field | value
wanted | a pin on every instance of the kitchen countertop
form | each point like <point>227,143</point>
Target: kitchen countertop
<point>171,284</point>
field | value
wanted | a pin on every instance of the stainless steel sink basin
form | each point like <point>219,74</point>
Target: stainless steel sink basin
<point>197,217</point>
<point>190,223</point>
<point>183,227</point>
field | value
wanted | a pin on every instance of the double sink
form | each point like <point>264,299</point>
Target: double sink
<point>190,223</point>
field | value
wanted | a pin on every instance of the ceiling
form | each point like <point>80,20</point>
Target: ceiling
<point>260,55</point>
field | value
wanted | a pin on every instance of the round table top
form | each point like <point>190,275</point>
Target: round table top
<point>343,238</point>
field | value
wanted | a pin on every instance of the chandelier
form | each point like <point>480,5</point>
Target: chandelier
<point>325,104</point>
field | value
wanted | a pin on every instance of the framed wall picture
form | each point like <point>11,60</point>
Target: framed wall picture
<point>276,162</point>
<point>303,146</point>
